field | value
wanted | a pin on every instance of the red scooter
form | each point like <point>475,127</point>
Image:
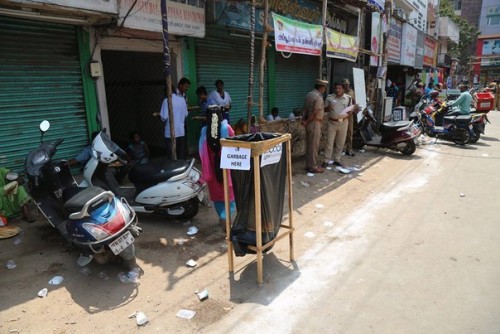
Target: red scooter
<point>398,136</point>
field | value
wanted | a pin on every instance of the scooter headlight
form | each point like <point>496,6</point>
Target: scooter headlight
<point>97,232</point>
<point>194,174</point>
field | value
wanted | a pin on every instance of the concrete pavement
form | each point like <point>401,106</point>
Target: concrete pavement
<point>410,246</point>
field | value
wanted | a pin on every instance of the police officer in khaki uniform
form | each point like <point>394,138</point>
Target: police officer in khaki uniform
<point>337,124</point>
<point>314,111</point>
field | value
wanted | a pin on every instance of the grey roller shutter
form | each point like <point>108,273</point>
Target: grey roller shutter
<point>40,78</point>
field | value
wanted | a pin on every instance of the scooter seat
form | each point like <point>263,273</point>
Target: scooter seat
<point>462,119</point>
<point>388,127</point>
<point>76,203</point>
<point>159,171</point>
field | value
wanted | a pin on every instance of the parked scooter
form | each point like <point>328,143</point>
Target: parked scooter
<point>92,219</point>
<point>455,128</point>
<point>173,188</point>
<point>398,136</point>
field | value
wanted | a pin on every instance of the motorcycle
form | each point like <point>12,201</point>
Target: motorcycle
<point>92,219</point>
<point>478,123</point>
<point>455,128</point>
<point>398,136</point>
<point>173,188</point>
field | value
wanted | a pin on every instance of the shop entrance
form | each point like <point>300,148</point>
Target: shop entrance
<point>135,89</point>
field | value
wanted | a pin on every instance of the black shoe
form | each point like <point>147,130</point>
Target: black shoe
<point>336,163</point>
<point>349,153</point>
<point>324,165</point>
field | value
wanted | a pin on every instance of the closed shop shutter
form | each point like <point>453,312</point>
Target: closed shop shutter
<point>228,58</point>
<point>294,79</point>
<point>40,78</point>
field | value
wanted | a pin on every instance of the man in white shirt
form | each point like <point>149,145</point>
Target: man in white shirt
<point>274,115</point>
<point>180,113</point>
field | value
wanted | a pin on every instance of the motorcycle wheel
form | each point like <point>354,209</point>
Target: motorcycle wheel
<point>190,209</point>
<point>462,136</point>
<point>357,141</point>
<point>475,137</point>
<point>409,148</point>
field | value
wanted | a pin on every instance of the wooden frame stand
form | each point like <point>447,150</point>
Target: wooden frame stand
<point>257,149</point>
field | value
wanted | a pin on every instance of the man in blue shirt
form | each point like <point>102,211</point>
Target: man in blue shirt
<point>462,104</point>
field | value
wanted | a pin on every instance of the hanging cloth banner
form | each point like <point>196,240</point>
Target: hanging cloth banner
<point>341,46</point>
<point>297,37</point>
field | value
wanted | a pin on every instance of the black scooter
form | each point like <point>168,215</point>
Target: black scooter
<point>398,136</point>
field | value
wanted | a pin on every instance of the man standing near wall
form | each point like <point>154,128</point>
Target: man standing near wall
<point>350,125</point>
<point>314,111</point>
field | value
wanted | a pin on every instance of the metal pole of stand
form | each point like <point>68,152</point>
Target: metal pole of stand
<point>228,221</point>
<point>290,197</point>
<point>258,218</point>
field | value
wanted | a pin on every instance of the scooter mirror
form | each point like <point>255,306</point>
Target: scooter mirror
<point>44,126</point>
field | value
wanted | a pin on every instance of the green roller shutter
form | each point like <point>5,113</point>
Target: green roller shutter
<point>294,79</point>
<point>40,78</point>
<point>228,58</point>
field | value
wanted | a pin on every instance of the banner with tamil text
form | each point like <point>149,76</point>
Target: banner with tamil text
<point>297,37</point>
<point>341,46</point>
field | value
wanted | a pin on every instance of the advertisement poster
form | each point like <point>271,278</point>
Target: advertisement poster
<point>297,37</point>
<point>394,41</point>
<point>341,46</point>
<point>375,38</point>
<point>408,45</point>
<point>183,19</point>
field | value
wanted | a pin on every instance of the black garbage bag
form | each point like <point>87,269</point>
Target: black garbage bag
<point>272,192</point>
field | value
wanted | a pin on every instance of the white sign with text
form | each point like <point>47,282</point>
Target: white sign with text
<point>106,6</point>
<point>272,156</point>
<point>184,20</point>
<point>235,158</point>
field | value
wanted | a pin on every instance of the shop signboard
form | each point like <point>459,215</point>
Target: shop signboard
<point>379,4</point>
<point>394,41</point>
<point>297,37</point>
<point>184,20</point>
<point>429,52</point>
<point>236,14</point>
<point>109,6</point>
<point>490,52</point>
<point>408,45</point>
<point>419,17</point>
<point>341,46</point>
<point>419,53</point>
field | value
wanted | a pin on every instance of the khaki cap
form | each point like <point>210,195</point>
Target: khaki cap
<point>321,82</point>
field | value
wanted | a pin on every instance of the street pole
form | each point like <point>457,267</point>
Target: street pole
<point>252,60</point>
<point>323,23</point>
<point>263,60</point>
<point>168,78</point>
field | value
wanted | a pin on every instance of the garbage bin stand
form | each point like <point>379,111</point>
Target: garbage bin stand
<point>257,149</point>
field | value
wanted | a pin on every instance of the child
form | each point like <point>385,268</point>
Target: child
<point>138,149</point>
<point>254,128</point>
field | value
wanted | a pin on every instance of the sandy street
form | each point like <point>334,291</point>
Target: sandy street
<point>404,245</point>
